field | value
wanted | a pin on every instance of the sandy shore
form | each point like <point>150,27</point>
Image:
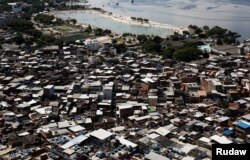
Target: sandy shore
<point>125,19</point>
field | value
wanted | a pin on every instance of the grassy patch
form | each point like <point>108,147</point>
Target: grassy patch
<point>120,40</point>
<point>65,29</point>
<point>76,36</point>
<point>151,109</point>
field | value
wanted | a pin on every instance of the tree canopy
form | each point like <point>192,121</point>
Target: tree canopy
<point>120,48</point>
<point>187,54</point>
<point>20,24</point>
<point>151,46</point>
<point>44,18</point>
<point>168,52</point>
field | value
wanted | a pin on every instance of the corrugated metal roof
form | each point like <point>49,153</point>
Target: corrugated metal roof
<point>74,141</point>
<point>154,156</point>
<point>243,124</point>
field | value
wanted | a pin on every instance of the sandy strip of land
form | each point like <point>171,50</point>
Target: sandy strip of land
<point>125,19</point>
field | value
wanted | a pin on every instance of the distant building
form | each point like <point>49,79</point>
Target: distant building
<point>205,48</point>
<point>124,110</point>
<point>242,129</point>
<point>2,20</point>
<point>10,117</point>
<point>241,49</point>
<point>154,156</point>
<point>101,137</point>
<point>91,44</point>
<point>211,84</point>
<point>16,7</point>
<point>225,50</point>
<point>49,91</point>
<point>108,91</point>
<point>246,117</point>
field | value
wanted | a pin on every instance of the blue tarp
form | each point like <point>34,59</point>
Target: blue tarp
<point>243,125</point>
<point>228,132</point>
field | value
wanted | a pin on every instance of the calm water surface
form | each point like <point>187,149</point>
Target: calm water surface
<point>231,14</point>
<point>117,27</point>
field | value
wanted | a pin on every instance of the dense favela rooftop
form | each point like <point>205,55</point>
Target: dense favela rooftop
<point>82,105</point>
<point>111,96</point>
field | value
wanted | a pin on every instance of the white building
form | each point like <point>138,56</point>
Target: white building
<point>10,117</point>
<point>101,137</point>
<point>16,7</point>
<point>91,44</point>
<point>49,90</point>
<point>107,92</point>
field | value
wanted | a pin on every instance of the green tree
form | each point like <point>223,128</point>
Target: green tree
<point>168,52</point>
<point>26,15</point>
<point>19,39</point>
<point>120,48</point>
<point>5,7</point>
<point>114,41</point>
<point>195,28</point>
<point>151,46</point>
<point>187,54</point>
<point>21,25</point>
<point>185,32</point>
<point>74,21</point>
<point>157,39</point>
<point>88,29</point>
<point>202,35</point>
<point>126,34</point>
<point>205,54</point>
<point>142,38</point>
<point>217,31</point>
<point>24,26</point>
<point>98,31</point>
<point>106,32</point>
<point>37,5</point>
<point>29,41</point>
<point>205,28</point>
<point>219,41</point>
<point>44,19</point>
